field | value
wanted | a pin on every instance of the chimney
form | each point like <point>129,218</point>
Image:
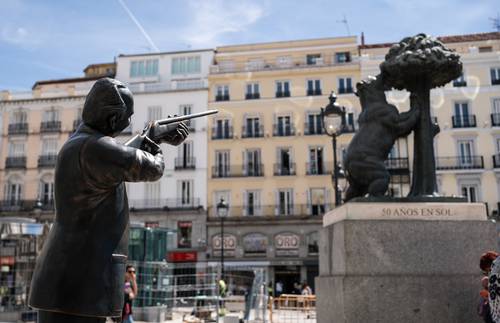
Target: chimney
<point>362,38</point>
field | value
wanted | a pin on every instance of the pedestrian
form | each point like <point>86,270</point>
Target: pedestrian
<point>130,293</point>
<point>279,288</point>
<point>306,290</point>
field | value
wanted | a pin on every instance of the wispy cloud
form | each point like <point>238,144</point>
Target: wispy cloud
<point>15,35</point>
<point>212,19</point>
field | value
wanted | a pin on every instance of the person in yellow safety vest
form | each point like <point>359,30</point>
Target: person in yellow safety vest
<point>222,288</point>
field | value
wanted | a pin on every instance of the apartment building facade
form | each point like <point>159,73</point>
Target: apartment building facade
<point>167,84</point>
<point>467,111</point>
<point>269,158</point>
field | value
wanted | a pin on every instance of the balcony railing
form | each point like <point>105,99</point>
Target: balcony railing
<point>323,168</point>
<point>310,130</point>
<point>47,160</point>
<point>495,119</point>
<point>314,92</point>
<point>165,204</point>
<point>284,170</point>
<point>496,161</point>
<point>252,132</point>
<point>459,162</point>
<point>15,162</point>
<point>283,94</point>
<point>220,97</point>
<point>185,163</point>
<point>16,205</point>
<point>50,126</point>
<point>465,121</point>
<point>222,133</point>
<point>280,130</point>
<point>272,211</point>
<point>344,90</point>
<point>249,170</point>
<point>252,96</point>
<point>18,128</point>
<point>397,165</point>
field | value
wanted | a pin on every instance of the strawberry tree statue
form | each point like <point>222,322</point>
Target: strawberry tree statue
<point>419,64</point>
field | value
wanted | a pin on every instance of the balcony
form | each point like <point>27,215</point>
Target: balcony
<point>18,128</point>
<point>252,96</point>
<point>459,162</point>
<point>47,160</point>
<point>313,129</point>
<point>15,162</point>
<point>465,121</point>
<point>257,212</point>
<point>165,204</point>
<point>220,97</point>
<point>495,119</point>
<point>280,130</point>
<point>284,170</point>
<point>16,205</point>
<point>250,170</point>
<point>399,165</point>
<point>184,163</point>
<point>311,92</point>
<point>219,133</point>
<point>252,132</point>
<point>319,168</point>
<point>50,126</point>
<point>345,90</point>
<point>283,94</point>
<point>496,161</point>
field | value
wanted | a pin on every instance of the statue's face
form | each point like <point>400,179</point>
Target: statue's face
<point>124,120</point>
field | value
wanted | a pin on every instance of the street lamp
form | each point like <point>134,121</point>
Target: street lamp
<point>333,116</point>
<point>222,209</point>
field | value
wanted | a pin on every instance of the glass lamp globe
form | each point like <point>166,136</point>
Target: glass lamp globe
<point>222,208</point>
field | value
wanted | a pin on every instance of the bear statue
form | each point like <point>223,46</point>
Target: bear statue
<point>380,124</point>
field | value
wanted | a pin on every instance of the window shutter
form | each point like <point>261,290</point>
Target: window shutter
<point>244,211</point>
<point>308,207</point>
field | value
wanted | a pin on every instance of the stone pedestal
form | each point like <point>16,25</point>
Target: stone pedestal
<point>393,262</point>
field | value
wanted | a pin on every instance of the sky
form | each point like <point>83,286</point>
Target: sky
<point>54,39</point>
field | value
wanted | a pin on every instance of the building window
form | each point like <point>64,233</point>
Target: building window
<point>185,109</point>
<point>466,152</point>
<point>154,113</point>
<point>495,76</point>
<point>343,57</point>
<point>184,230</point>
<point>46,189</point>
<point>460,81</point>
<point>222,161</point>
<point>284,166</point>
<point>252,203</point>
<point>255,64</point>
<point>316,163</point>
<point>141,68</point>
<point>223,129</point>
<point>495,112</point>
<point>186,193</point>
<point>313,243</point>
<point>186,65</point>
<point>222,93</point>
<point>252,91</point>
<point>218,195</point>
<point>317,201</point>
<point>284,61</point>
<point>314,124</point>
<point>283,126</point>
<point>313,59</point>
<point>349,126</point>
<point>18,117</point>
<point>462,117</point>
<point>252,128</point>
<point>152,196</point>
<point>16,149</point>
<point>185,159</point>
<point>252,165</point>
<point>14,191</point>
<point>282,89</point>
<point>313,87</point>
<point>285,202</point>
<point>51,115</point>
<point>345,85</point>
<point>470,191</point>
<point>49,146</point>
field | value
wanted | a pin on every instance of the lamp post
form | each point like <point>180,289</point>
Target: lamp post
<point>333,116</point>
<point>222,209</point>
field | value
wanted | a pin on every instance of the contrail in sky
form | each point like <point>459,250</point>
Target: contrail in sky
<point>144,33</point>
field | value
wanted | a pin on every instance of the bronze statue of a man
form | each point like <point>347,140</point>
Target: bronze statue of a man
<point>79,274</point>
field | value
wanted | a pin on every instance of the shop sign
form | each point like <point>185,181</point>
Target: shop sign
<point>7,261</point>
<point>178,256</point>
<point>287,244</point>
<point>255,243</point>
<point>229,242</point>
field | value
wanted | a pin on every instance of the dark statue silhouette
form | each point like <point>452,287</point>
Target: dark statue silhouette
<point>79,275</point>
<point>417,64</point>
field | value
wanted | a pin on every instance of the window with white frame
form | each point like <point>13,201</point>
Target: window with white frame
<point>187,109</point>
<point>51,115</point>
<point>313,59</point>
<point>313,243</point>
<point>466,152</point>
<point>49,146</point>
<point>18,117</point>
<point>222,93</point>
<point>317,201</point>
<point>314,124</point>
<point>185,190</point>
<point>470,188</point>
<point>462,116</point>
<point>495,75</point>
<point>283,126</point>
<point>252,128</point>
<point>144,67</point>
<point>284,61</point>
<point>186,65</point>
<point>284,161</point>
<point>495,112</point>
<point>16,148</point>
<point>251,203</point>
<point>152,194</point>
<point>252,91</point>
<point>222,160</point>
<point>345,85</point>
<point>185,157</point>
<point>284,205</point>
<point>252,162</point>
<point>222,129</point>
<point>313,87</point>
<point>14,190</point>
<point>154,113</point>
<point>460,81</point>
<point>218,195</point>
<point>342,57</point>
<point>282,89</point>
<point>46,190</point>
<point>316,163</point>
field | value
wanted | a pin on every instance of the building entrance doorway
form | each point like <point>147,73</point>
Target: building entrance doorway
<point>289,277</point>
